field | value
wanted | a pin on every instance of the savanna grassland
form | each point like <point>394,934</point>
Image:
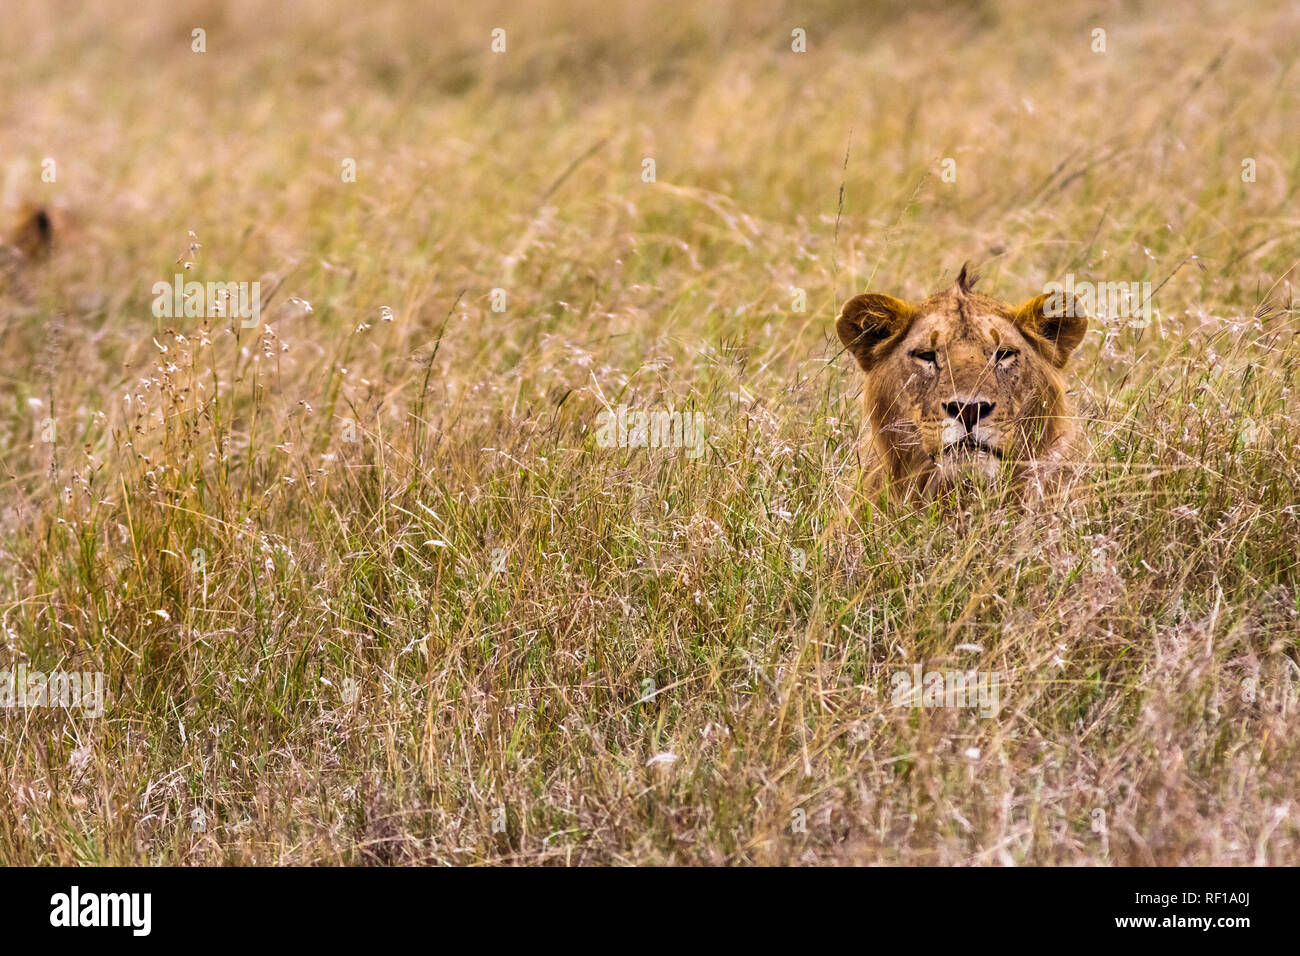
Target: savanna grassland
<point>365,587</point>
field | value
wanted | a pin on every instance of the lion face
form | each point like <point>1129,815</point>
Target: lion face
<point>962,386</point>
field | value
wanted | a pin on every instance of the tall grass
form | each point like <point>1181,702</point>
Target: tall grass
<point>364,585</point>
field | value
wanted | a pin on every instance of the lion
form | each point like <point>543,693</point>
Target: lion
<point>33,232</point>
<point>961,388</point>
<point>26,244</point>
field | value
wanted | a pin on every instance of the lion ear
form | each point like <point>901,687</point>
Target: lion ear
<point>34,232</point>
<point>870,319</point>
<point>1055,323</point>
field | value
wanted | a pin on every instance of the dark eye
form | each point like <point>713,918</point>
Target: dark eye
<point>923,355</point>
<point>1004,356</point>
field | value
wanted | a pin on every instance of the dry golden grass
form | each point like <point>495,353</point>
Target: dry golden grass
<point>345,673</point>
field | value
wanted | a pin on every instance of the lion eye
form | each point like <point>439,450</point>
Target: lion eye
<point>1004,356</point>
<point>923,355</point>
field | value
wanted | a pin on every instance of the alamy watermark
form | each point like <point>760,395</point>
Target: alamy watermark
<point>25,689</point>
<point>621,428</point>
<point>74,908</point>
<point>1115,300</point>
<point>242,300</point>
<point>921,688</point>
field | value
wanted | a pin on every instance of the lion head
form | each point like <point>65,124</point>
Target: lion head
<point>960,385</point>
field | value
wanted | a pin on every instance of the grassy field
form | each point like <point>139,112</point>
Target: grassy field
<point>364,584</point>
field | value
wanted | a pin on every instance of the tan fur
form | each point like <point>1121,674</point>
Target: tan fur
<point>33,232</point>
<point>962,386</point>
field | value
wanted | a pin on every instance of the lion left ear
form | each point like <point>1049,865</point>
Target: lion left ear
<point>870,320</point>
<point>1055,323</point>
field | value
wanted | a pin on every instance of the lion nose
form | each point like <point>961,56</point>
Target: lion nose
<point>969,414</point>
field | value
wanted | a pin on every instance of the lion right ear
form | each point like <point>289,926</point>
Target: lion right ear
<point>1055,323</point>
<point>869,320</point>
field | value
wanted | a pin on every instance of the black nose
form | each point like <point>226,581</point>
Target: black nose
<point>970,413</point>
